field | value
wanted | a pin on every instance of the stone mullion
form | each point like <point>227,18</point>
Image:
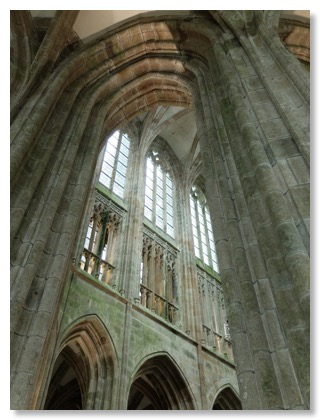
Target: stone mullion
<point>159,287</point>
<point>111,230</point>
<point>188,302</point>
<point>132,226</point>
<point>283,225</point>
<point>145,261</point>
<point>206,310</point>
<point>152,271</point>
<point>215,309</point>
<point>169,271</point>
<point>230,254</point>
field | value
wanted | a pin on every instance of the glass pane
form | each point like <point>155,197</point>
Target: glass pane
<point>149,182</point>
<point>105,180</point>
<point>169,200</point>
<point>159,222</point>
<point>121,168</point>
<point>159,201</point>
<point>195,231</point>
<point>170,231</point>
<point>197,252</point>
<point>159,211</point>
<point>124,151</point>
<point>159,175</point>
<point>196,242</point>
<point>150,165</point>
<point>204,247</point>
<point>202,230</point>
<point>125,141</point>
<point>104,253</point>
<point>120,179</point>
<point>215,266</point>
<point>123,159</point>
<point>117,189</point>
<point>168,182</point>
<point>203,240</point>
<point>148,202</point>
<point>113,140</point>
<point>107,169</point>
<point>205,259</point>
<point>148,213</point>
<point>149,192</point>
<point>211,244</point>
<point>214,257</point>
<point>208,219</point>
<point>210,235</point>
<point>111,149</point>
<point>108,158</point>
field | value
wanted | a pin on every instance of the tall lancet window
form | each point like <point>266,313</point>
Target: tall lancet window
<point>202,229</point>
<point>99,251</point>
<point>158,207</point>
<point>115,162</point>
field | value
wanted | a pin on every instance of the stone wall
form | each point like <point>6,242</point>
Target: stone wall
<point>251,99</point>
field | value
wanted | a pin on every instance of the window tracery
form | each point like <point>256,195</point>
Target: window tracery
<point>98,252</point>
<point>158,205</point>
<point>158,277</point>
<point>203,239</point>
<point>115,163</point>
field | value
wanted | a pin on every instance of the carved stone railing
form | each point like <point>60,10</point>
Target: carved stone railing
<point>158,305</point>
<point>96,266</point>
<point>216,342</point>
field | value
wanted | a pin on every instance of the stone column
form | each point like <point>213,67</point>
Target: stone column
<point>259,182</point>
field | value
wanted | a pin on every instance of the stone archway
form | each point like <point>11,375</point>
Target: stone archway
<point>84,371</point>
<point>65,392</point>
<point>227,400</point>
<point>159,385</point>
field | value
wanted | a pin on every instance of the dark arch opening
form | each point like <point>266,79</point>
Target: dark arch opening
<point>86,362</point>
<point>64,390</point>
<point>227,400</point>
<point>158,385</point>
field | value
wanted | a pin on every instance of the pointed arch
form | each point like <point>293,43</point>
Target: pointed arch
<point>159,384</point>
<point>226,399</point>
<point>85,368</point>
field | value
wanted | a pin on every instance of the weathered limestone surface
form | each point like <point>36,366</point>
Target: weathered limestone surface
<point>251,100</point>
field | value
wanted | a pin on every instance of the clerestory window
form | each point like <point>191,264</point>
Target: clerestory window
<point>202,229</point>
<point>158,205</point>
<point>115,163</point>
<point>98,254</point>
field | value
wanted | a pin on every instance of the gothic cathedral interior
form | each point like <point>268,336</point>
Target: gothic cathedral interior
<point>160,210</point>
